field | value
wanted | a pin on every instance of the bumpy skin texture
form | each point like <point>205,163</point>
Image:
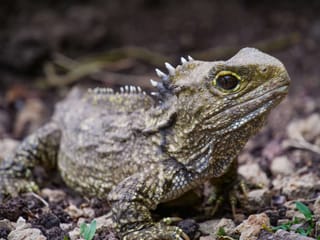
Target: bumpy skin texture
<point>138,152</point>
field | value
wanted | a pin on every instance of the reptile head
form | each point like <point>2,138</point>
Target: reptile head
<point>224,99</point>
<point>225,95</point>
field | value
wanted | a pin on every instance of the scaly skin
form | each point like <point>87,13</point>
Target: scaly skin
<point>138,152</point>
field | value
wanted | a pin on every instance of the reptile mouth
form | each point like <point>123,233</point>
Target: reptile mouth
<point>258,106</point>
<point>254,107</point>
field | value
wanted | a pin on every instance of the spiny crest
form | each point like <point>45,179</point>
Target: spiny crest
<point>131,90</point>
<point>163,86</point>
<point>98,91</point>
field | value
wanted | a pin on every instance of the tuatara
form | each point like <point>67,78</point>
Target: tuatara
<point>138,150</point>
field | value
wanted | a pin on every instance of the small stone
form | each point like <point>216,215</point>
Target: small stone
<point>190,227</point>
<point>250,228</point>
<point>254,174</point>
<point>316,208</point>
<point>74,211</point>
<point>7,146</point>
<point>281,166</point>
<point>26,234</point>
<point>22,224</point>
<point>66,226</point>
<point>74,234</point>
<point>5,223</point>
<point>297,186</point>
<point>88,212</point>
<point>258,199</point>
<point>53,195</point>
<point>292,212</point>
<point>278,200</point>
<point>5,228</point>
<point>212,227</point>
<point>284,235</point>
<point>305,129</point>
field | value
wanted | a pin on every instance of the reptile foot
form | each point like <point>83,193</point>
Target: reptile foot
<point>12,186</point>
<point>234,192</point>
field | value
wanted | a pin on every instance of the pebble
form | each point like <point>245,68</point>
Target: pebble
<point>254,174</point>
<point>258,199</point>
<point>251,228</point>
<point>7,146</point>
<point>53,195</point>
<point>212,227</point>
<point>24,231</point>
<point>281,166</point>
<point>296,186</point>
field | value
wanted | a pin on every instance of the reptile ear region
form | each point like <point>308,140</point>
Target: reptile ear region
<point>171,69</point>
<point>163,86</point>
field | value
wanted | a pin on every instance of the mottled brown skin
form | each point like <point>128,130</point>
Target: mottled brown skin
<point>138,152</point>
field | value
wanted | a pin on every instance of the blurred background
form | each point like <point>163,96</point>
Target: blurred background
<point>48,46</point>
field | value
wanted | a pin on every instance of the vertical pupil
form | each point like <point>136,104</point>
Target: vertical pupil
<point>227,82</point>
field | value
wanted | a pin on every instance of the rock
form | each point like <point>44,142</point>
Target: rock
<point>189,227</point>
<point>284,235</point>
<point>22,224</point>
<point>305,129</point>
<point>254,174</point>
<point>66,226</point>
<point>272,149</point>
<point>74,234</point>
<point>53,195</point>
<point>281,166</point>
<point>26,234</point>
<point>297,186</point>
<point>76,212</point>
<point>316,207</point>
<point>24,231</point>
<point>7,146</point>
<point>258,199</point>
<point>292,212</point>
<point>5,228</point>
<point>250,228</point>
<point>5,223</point>
<point>212,227</point>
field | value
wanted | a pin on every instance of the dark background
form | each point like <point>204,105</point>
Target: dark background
<point>48,46</point>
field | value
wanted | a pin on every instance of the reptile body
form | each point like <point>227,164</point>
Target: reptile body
<point>138,151</point>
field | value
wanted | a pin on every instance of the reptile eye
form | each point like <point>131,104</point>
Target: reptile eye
<point>227,82</point>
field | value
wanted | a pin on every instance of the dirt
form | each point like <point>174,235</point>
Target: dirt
<point>33,34</point>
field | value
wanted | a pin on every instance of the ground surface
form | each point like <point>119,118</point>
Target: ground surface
<point>49,47</point>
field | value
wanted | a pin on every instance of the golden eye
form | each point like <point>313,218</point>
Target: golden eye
<point>227,81</point>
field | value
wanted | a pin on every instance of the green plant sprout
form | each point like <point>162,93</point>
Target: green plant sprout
<point>87,231</point>
<point>307,224</point>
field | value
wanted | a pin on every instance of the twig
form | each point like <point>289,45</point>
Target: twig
<point>77,69</point>
<point>301,144</point>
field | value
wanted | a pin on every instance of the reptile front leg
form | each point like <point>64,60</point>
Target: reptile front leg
<point>39,149</point>
<point>230,186</point>
<point>135,196</point>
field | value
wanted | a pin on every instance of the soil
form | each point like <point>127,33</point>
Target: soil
<point>41,42</point>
